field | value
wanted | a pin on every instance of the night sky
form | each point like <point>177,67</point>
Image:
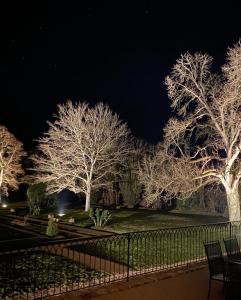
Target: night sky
<point>117,52</point>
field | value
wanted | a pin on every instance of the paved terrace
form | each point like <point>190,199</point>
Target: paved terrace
<point>182,284</point>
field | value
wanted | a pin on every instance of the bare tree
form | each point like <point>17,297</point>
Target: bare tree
<point>164,176</point>
<point>11,153</point>
<point>202,143</point>
<point>81,149</point>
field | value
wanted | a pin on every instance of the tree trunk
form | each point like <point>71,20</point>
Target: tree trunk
<point>202,198</point>
<point>233,203</point>
<point>87,200</point>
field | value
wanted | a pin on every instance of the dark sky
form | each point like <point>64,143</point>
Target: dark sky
<point>117,52</point>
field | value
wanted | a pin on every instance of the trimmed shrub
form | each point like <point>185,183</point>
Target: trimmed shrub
<point>52,229</point>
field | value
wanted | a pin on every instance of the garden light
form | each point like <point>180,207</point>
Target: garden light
<point>61,214</point>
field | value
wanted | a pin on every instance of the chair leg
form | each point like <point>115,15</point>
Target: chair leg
<point>209,287</point>
<point>226,290</point>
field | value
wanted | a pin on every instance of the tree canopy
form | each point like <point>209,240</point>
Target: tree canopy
<point>11,153</point>
<point>202,141</point>
<point>81,149</point>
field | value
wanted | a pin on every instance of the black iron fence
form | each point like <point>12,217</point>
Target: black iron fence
<point>58,267</point>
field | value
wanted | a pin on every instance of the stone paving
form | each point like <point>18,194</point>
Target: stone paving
<point>182,284</point>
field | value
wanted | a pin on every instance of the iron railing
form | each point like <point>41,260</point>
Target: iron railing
<point>57,267</point>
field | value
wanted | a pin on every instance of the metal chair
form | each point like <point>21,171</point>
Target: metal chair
<point>233,286</point>
<point>232,248</point>
<point>216,263</point>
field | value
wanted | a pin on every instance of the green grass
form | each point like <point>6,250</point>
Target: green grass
<point>160,248</point>
<point>81,217</point>
<point>129,220</point>
<point>141,220</point>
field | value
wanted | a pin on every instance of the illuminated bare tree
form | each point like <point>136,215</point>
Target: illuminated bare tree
<point>11,153</point>
<point>163,175</point>
<point>81,149</point>
<point>202,142</point>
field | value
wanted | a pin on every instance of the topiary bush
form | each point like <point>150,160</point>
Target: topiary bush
<point>52,228</point>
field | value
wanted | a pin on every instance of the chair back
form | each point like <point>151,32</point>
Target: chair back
<point>215,258</point>
<point>232,246</point>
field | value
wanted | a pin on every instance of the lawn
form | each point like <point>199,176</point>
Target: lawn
<point>141,220</point>
<point>158,249</point>
<point>129,220</point>
<point>162,246</point>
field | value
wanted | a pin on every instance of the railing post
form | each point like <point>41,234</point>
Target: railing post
<point>128,256</point>
<point>230,229</point>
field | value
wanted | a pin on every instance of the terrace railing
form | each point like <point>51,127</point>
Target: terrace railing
<point>57,267</point>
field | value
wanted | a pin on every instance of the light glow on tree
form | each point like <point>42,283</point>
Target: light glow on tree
<point>81,149</point>
<point>11,153</point>
<point>202,142</point>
